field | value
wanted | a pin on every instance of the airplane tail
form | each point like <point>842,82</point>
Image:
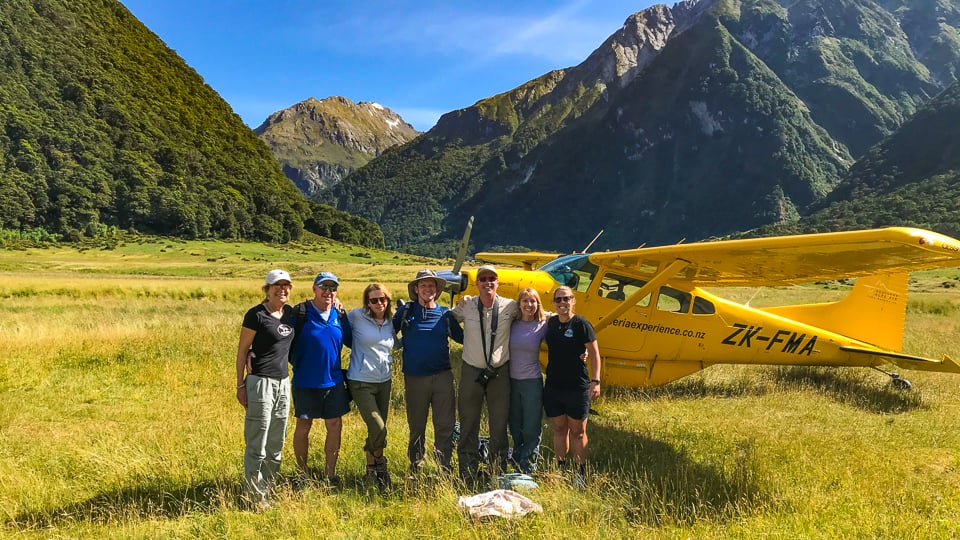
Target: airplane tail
<point>873,312</point>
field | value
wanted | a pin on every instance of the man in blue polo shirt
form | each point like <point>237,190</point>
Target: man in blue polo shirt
<point>319,390</point>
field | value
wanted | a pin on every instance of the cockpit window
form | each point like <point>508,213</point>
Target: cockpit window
<point>574,271</point>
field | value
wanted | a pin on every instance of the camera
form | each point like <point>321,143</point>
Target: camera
<point>486,376</point>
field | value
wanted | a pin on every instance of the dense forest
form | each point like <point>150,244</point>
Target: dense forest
<point>104,127</point>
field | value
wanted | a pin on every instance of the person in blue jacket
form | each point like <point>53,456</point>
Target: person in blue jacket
<point>319,388</point>
<point>424,328</point>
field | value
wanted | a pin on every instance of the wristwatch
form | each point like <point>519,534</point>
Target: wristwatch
<point>595,381</point>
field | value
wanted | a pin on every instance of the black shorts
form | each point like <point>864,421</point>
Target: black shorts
<point>574,403</point>
<point>326,403</point>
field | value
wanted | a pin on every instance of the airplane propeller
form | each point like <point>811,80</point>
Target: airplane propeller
<point>455,281</point>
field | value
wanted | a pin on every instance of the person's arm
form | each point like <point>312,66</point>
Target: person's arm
<point>453,328</point>
<point>593,352</point>
<point>399,315</point>
<point>346,328</point>
<point>246,341</point>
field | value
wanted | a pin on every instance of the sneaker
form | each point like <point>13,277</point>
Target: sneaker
<point>260,507</point>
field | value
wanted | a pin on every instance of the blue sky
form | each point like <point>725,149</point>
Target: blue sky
<point>419,58</point>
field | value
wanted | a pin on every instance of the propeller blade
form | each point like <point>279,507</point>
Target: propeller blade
<point>462,250</point>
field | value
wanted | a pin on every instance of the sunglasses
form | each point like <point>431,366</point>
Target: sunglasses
<point>328,288</point>
<point>562,299</point>
<point>486,279</point>
<point>377,300</point>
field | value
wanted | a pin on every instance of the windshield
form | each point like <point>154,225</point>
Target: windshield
<point>574,271</point>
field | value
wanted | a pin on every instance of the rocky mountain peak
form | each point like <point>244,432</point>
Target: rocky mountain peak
<point>319,141</point>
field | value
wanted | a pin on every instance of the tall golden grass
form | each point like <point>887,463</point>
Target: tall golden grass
<point>118,419</point>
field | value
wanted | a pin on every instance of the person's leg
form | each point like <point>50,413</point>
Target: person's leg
<point>444,403</point>
<point>530,396</point>
<point>256,425</point>
<point>331,446</point>
<point>365,398</point>
<point>561,444</point>
<point>301,444</point>
<point>498,411</point>
<point>417,397</point>
<point>515,420</point>
<point>578,439</point>
<point>277,432</point>
<point>469,406</point>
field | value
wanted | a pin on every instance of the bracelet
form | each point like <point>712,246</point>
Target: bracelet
<point>239,386</point>
<point>595,381</point>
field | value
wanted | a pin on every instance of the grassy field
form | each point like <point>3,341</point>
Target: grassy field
<point>118,419</point>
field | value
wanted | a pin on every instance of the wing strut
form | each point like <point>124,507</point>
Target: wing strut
<point>659,279</point>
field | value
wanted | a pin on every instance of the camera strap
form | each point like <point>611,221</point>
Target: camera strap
<point>488,355</point>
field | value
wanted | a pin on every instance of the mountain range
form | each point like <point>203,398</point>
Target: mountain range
<point>693,121</point>
<point>319,142</point>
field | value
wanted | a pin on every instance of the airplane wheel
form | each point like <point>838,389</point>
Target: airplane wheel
<point>901,384</point>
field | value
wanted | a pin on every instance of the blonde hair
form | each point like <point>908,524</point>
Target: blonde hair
<point>532,293</point>
<point>388,313</point>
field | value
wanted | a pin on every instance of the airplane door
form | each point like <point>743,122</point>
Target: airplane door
<point>625,334</point>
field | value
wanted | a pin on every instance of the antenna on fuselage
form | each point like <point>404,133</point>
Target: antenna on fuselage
<point>592,241</point>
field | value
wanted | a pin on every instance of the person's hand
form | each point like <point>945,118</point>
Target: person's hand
<point>242,395</point>
<point>594,390</point>
<point>250,357</point>
<point>585,356</point>
<point>463,300</point>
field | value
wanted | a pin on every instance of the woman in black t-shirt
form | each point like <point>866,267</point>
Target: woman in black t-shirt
<point>264,392</point>
<point>570,386</point>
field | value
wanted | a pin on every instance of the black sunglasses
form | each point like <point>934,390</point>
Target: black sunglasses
<point>561,299</point>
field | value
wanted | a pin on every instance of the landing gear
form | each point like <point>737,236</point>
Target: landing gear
<point>896,381</point>
<point>900,384</point>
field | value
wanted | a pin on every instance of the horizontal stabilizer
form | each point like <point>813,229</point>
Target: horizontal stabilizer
<point>907,361</point>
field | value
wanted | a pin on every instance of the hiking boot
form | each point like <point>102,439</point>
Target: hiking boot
<point>301,482</point>
<point>382,473</point>
<point>370,476</point>
<point>333,481</point>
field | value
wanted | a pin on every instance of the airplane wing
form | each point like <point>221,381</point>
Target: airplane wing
<point>529,260</point>
<point>783,260</point>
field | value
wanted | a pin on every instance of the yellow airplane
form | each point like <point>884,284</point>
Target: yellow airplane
<point>656,324</point>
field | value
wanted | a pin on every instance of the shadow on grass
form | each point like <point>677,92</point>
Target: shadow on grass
<point>856,388</point>
<point>156,499</point>
<point>666,486</point>
<point>859,388</point>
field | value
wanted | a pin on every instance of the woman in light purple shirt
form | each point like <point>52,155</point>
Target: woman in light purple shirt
<point>526,382</point>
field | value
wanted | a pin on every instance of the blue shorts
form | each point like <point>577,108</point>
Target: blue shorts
<point>326,403</point>
<point>574,403</point>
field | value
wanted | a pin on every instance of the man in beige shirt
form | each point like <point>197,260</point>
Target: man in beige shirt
<point>484,375</point>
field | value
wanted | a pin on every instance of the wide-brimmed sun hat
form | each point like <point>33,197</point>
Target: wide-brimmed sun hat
<point>426,273</point>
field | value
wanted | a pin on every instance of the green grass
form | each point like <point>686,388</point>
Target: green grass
<point>118,419</point>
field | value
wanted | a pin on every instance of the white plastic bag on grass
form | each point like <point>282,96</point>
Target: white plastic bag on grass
<point>499,502</point>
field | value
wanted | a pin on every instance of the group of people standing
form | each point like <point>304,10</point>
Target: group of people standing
<point>500,370</point>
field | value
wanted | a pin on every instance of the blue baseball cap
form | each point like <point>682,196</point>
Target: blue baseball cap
<point>325,276</point>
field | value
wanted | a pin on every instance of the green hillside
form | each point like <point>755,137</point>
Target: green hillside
<point>106,127</point>
<point>911,178</point>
